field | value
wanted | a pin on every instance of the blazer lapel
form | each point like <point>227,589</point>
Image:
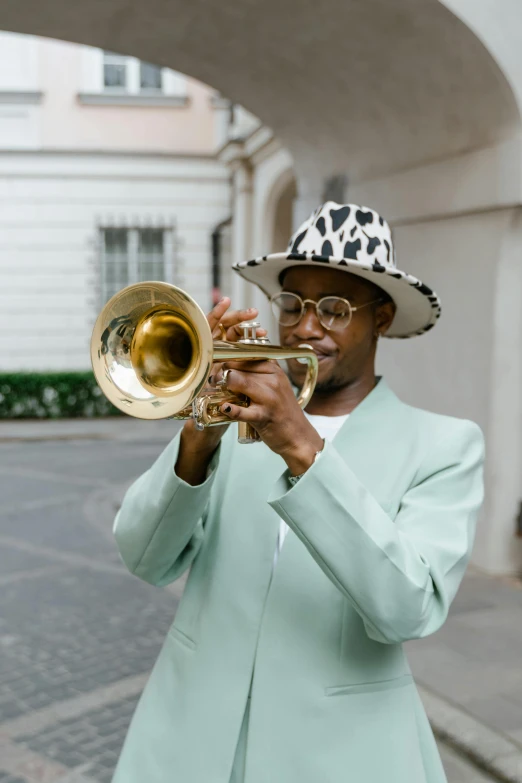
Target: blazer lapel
<point>371,441</point>
<point>366,442</point>
<point>372,421</point>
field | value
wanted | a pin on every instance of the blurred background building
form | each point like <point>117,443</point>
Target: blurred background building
<point>113,169</point>
<point>108,176</point>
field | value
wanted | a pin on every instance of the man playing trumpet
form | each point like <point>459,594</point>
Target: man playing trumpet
<point>314,554</point>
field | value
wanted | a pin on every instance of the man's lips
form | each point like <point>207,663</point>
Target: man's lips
<point>321,355</point>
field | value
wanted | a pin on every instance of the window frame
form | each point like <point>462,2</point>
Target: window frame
<point>171,269</point>
<point>174,85</point>
<point>116,60</point>
<point>151,90</point>
<point>133,67</point>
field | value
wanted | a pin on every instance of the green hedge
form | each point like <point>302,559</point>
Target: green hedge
<point>52,395</point>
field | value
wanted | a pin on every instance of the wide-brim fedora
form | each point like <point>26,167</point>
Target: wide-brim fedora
<point>357,240</point>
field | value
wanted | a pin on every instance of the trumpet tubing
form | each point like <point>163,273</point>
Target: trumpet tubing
<point>152,352</point>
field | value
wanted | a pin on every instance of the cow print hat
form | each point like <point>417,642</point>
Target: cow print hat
<point>356,240</point>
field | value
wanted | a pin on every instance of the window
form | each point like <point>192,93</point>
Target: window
<point>129,75</point>
<point>116,260</point>
<point>132,255</point>
<point>151,254</point>
<point>112,79</point>
<point>150,77</point>
<point>115,67</point>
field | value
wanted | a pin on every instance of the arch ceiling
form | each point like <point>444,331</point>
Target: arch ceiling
<point>362,86</point>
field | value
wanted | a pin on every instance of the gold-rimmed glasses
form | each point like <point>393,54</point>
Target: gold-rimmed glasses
<point>333,312</point>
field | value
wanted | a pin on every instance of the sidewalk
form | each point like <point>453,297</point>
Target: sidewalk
<point>470,674</point>
<point>120,428</point>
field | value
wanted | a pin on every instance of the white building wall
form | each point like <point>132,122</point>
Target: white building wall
<point>470,365</point>
<point>19,62</point>
<point>50,207</point>
<point>75,156</point>
<point>456,225</point>
<point>20,94</point>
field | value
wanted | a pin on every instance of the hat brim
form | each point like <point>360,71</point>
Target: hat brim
<point>418,307</point>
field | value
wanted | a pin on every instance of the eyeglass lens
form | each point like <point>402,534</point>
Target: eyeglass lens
<point>333,311</point>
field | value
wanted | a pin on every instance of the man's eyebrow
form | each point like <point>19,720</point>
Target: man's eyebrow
<point>320,296</point>
<point>342,296</point>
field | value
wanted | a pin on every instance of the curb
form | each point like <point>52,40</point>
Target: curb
<point>489,750</point>
<point>56,436</point>
<point>122,429</point>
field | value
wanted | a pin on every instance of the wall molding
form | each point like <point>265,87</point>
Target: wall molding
<point>20,97</point>
<point>155,100</point>
<point>476,181</point>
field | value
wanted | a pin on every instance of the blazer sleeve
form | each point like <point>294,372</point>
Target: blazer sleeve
<point>160,526</point>
<point>400,575</point>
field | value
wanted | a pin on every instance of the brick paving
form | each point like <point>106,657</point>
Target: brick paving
<point>78,634</point>
<point>97,734</point>
<point>474,660</point>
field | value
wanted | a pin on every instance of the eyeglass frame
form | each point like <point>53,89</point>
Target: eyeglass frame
<point>352,309</point>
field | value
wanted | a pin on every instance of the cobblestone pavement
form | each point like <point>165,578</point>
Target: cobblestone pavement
<point>78,634</point>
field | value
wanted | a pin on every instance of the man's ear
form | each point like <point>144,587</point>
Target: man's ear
<point>385,315</point>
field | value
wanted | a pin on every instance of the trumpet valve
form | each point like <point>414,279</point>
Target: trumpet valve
<point>250,334</point>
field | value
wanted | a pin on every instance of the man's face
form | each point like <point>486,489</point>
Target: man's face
<point>343,355</point>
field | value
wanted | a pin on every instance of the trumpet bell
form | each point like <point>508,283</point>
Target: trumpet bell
<point>151,350</point>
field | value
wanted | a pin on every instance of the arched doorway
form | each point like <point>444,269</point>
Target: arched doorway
<point>283,217</point>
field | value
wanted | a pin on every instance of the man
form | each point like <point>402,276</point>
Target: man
<point>314,554</point>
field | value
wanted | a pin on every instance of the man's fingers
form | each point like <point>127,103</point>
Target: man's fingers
<point>216,374</point>
<point>218,312</point>
<point>251,366</point>
<point>230,320</point>
<point>252,385</point>
<point>238,413</point>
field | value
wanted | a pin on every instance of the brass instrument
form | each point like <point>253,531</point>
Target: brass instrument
<point>152,352</point>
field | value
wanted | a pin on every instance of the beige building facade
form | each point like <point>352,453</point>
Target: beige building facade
<point>108,176</point>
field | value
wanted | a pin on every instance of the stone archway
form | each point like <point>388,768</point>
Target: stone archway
<point>283,217</point>
<point>273,217</point>
<point>363,87</point>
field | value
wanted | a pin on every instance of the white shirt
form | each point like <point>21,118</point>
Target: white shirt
<point>327,427</point>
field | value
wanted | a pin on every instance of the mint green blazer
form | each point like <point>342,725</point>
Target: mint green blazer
<point>381,528</point>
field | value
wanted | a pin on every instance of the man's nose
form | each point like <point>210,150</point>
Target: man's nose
<point>309,325</point>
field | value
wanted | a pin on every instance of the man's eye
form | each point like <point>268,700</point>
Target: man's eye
<point>334,307</point>
<point>335,311</point>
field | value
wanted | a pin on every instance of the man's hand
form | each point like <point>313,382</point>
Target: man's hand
<point>230,320</point>
<point>273,411</point>
<point>197,446</point>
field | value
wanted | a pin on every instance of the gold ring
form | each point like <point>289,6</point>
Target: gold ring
<point>223,382</point>
<point>222,332</point>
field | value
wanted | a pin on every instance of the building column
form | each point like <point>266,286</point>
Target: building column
<point>498,549</point>
<point>240,293</point>
<point>308,198</point>
<point>312,191</point>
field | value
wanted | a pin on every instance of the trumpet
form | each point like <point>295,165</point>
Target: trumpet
<point>152,353</point>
